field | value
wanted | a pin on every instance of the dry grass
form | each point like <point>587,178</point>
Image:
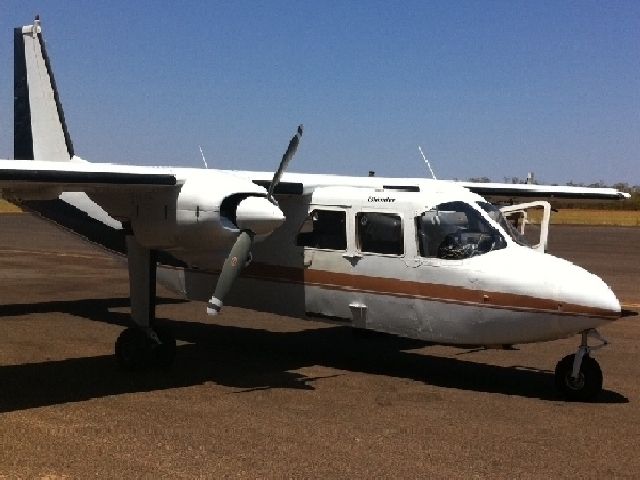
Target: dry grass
<point>6,207</point>
<point>619,218</point>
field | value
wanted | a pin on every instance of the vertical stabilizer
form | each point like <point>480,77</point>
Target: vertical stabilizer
<point>40,130</point>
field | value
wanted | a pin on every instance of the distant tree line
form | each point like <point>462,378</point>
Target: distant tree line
<point>632,203</point>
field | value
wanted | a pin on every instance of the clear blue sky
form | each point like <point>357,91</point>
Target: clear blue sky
<point>488,88</point>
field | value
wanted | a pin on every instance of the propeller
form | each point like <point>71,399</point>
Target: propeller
<point>231,268</point>
<point>284,163</point>
<point>252,217</point>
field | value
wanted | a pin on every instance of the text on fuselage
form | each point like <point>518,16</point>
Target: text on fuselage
<point>381,199</point>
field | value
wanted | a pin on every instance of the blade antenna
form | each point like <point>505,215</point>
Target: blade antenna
<point>203,159</point>
<point>286,158</point>
<point>424,157</point>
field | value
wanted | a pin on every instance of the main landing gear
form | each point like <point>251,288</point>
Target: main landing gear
<point>145,344</point>
<point>578,376</point>
<point>137,348</point>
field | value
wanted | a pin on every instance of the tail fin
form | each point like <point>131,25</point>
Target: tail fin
<point>40,130</point>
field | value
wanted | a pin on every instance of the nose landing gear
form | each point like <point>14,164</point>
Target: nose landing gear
<point>578,377</point>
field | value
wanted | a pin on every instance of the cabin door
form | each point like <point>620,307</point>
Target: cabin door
<point>324,236</point>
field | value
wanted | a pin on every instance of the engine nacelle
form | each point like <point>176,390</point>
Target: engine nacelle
<point>211,208</point>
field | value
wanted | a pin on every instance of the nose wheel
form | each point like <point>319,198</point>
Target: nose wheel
<point>578,376</point>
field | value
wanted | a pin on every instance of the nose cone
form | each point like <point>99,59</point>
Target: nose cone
<point>553,284</point>
<point>587,293</point>
<point>258,215</point>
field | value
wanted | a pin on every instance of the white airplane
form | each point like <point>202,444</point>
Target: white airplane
<point>425,259</point>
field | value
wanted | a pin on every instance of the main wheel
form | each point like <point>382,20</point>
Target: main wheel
<point>162,354</point>
<point>132,349</point>
<point>584,388</point>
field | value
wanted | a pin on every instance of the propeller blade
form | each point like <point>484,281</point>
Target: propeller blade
<point>232,267</point>
<point>286,158</point>
<point>256,215</point>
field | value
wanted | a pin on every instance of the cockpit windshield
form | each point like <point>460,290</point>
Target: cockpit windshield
<point>496,215</point>
<point>456,230</point>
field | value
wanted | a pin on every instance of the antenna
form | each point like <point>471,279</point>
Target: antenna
<point>203,159</point>
<point>427,162</point>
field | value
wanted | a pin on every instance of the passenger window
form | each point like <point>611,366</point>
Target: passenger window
<point>325,229</point>
<point>455,230</point>
<point>380,233</point>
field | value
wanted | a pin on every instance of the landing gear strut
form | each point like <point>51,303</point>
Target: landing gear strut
<point>145,344</point>
<point>578,376</point>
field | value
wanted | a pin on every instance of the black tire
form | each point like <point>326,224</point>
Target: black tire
<point>132,349</point>
<point>162,355</point>
<point>588,384</point>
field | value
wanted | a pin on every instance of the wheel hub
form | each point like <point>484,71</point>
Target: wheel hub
<point>575,383</point>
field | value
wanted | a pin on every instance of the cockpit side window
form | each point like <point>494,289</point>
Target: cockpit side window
<point>455,230</point>
<point>380,233</point>
<point>324,229</point>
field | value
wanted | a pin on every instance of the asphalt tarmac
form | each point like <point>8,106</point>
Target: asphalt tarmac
<point>253,395</point>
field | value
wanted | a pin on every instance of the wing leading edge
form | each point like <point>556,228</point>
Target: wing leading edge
<point>530,192</point>
<point>72,176</point>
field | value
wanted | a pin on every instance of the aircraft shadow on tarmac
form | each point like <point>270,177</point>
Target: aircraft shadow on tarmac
<point>250,359</point>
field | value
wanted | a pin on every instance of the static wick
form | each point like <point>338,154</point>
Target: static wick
<point>427,162</point>
<point>203,159</point>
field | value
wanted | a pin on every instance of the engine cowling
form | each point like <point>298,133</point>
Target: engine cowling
<point>212,208</point>
<point>258,215</point>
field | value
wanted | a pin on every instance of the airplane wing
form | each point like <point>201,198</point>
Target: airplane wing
<point>29,175</point>
<point>296,183</point>
<point>529,192</point>
<point>90,199</point>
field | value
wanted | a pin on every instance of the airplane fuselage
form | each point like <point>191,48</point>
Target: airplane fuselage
<point>504,295</point>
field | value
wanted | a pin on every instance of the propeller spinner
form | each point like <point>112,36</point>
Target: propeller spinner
<point>254,216</point>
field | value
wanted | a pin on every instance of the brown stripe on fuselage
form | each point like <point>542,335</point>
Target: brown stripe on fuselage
<point>420,291</point>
